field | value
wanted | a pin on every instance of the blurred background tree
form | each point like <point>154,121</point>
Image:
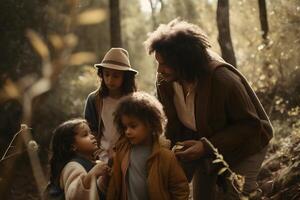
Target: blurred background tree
<point>269,61</point>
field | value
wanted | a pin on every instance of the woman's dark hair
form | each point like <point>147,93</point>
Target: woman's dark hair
<point>62,147</point>
<point>145,108</point>
<point>183,46</point>
<point>128,86</point>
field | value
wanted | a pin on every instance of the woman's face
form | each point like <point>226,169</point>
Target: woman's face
<point>85,143</point>
<point>113,79</point>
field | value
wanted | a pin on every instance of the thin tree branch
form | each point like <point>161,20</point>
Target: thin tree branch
<point>263,19</point>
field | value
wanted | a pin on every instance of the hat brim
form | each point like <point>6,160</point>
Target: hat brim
<point>116,67</point>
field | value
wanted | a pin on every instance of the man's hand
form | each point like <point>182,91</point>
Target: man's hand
<point>194,149</point>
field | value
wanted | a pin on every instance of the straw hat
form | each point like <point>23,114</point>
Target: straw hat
<point>116,58</point>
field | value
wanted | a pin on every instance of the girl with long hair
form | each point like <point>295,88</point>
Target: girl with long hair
<point>117,80</point>
<point>73,170</point>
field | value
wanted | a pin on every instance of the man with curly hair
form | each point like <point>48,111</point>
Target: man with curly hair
<point>204,96</point>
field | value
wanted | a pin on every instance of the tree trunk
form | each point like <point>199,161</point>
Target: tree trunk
<point>263,18</point>
<point>154,5</point>
<point>224,37</point>
<point>115,24</point>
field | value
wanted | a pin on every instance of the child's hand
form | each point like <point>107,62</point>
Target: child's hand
<point>100,169</point>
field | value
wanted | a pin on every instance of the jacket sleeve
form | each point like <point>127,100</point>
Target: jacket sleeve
<point>90,113</point>
<point>178,183</point>
<point>243,122</point>
<point>72,182</point>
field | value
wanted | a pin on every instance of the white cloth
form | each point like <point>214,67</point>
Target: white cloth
<point>71,181</point>
<point>185,106</point>
<point>110,135</point>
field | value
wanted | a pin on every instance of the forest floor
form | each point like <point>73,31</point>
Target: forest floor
<point>280,174</point>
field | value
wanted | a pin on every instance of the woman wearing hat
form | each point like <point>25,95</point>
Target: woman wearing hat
<point>117,80</point>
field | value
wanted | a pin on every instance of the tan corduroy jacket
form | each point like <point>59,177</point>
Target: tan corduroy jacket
<point>166,179</point>
<point>227,113</point>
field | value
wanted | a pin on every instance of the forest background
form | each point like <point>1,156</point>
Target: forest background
<point>48,48</point>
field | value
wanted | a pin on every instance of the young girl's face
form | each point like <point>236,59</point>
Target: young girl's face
<point>135,130</point>
<point>85,143</point>
<point>113,79</point>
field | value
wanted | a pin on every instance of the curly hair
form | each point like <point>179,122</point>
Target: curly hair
<point>183,46</point>
<point>62,146</point>
<point>128,86</point>
<point>144,107</point>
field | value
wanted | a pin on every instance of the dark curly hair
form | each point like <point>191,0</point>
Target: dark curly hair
<point>183,46</point>
<point>62,147</point>
<point>128,86</point>
<point>144,107</point>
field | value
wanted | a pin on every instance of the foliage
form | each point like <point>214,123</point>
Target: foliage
<point>272,68</point>
<point>279,177</point>
<point>32,88</point>
<point>65,101</point>
<point>16,57</point>
<point>134,33</point>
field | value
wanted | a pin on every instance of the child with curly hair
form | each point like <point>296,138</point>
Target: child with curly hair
<point>142,167</point>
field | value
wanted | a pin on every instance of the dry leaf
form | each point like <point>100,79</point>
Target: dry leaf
<point>81,58</point>
<point>71,40</point>
<point>41,86</point>
<point>177,147</point>
<point>91,17</point>
<point>221,171</point>
<point>56,41</point>
<point>38,44</point>
<point>217,161</point>
<point>9,90</point>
